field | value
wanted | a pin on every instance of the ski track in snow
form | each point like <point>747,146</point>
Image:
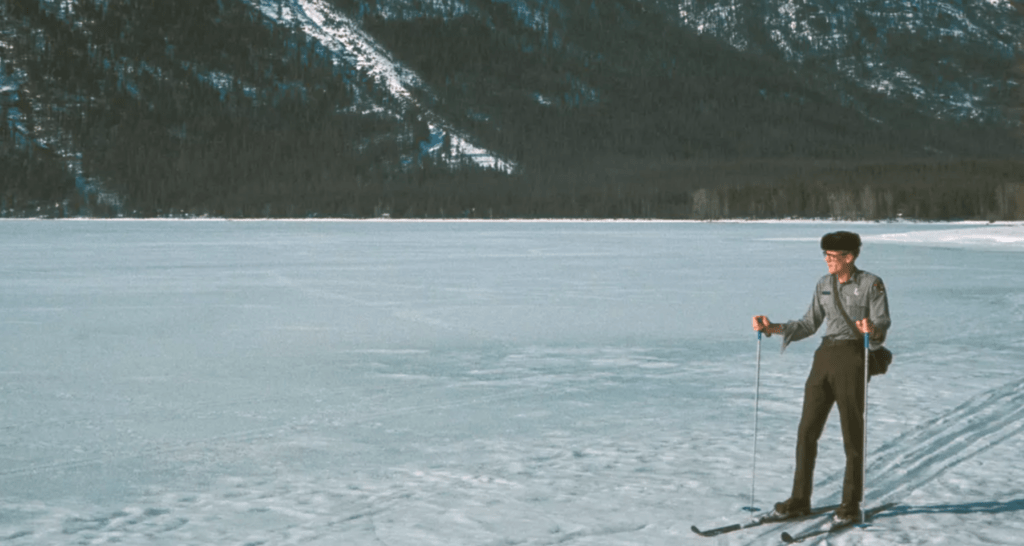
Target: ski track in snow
<point>917,457</point>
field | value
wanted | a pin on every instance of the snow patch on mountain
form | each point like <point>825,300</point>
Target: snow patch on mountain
<point>11,80</point>
<point>335,31</point>
<point>354,47</point>
<point>874,44</point>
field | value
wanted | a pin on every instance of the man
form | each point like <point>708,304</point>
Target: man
<point>837,375</point>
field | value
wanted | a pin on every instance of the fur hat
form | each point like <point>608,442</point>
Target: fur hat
<point>842,241</point>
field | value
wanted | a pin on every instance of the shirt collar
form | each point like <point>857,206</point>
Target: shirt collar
<point>854,275</point>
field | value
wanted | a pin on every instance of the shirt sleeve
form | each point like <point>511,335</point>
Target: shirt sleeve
<point>878,305</point>
<point>795,330</point>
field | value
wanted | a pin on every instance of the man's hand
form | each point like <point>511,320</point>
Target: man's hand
<point>865,326</point>
<point>762,324</point>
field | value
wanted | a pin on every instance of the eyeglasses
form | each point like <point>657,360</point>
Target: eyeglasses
<point>834,255</point>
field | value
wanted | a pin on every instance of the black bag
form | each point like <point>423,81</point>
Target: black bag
<point>880,358</point>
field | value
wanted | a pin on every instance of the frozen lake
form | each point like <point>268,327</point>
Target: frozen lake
<point>484,383</point>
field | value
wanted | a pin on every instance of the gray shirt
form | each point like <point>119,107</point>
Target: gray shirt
<point>863,296</point>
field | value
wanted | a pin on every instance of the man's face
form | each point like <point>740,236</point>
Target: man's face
<point>838,260</point>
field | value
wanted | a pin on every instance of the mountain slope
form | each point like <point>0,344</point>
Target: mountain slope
<point>947,59</point>
<point>353,48</point>
<point>632,83</point>
<point>527,107</point>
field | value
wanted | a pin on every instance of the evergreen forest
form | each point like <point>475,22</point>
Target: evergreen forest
<point>608,110</point>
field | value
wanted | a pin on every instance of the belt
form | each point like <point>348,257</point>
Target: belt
<point>826,342</point>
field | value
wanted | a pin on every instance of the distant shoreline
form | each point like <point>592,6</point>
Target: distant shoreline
<point>899,221</point>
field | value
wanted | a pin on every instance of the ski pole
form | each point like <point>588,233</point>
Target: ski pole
<point>864,443</point>
<point>757,396</point>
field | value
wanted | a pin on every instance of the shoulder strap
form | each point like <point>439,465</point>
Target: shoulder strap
<point>839,303</point>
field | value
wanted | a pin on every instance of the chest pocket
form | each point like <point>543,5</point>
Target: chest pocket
<point>855,304</point>
<point>856,311</point>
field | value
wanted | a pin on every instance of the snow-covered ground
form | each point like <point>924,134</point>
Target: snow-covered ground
<point>474,383</point>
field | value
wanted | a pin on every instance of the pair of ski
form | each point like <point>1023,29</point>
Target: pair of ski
<point>825,528</point>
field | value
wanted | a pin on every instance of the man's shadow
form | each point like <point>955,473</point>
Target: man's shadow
<point>1016,505</point>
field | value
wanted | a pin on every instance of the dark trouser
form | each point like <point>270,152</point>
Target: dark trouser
<point>837,377</point>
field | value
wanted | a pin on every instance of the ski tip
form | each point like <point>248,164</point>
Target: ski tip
<point>787,538</point>
<point>717,531</point>
<point>751,509</point>
<point>702,533</point>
